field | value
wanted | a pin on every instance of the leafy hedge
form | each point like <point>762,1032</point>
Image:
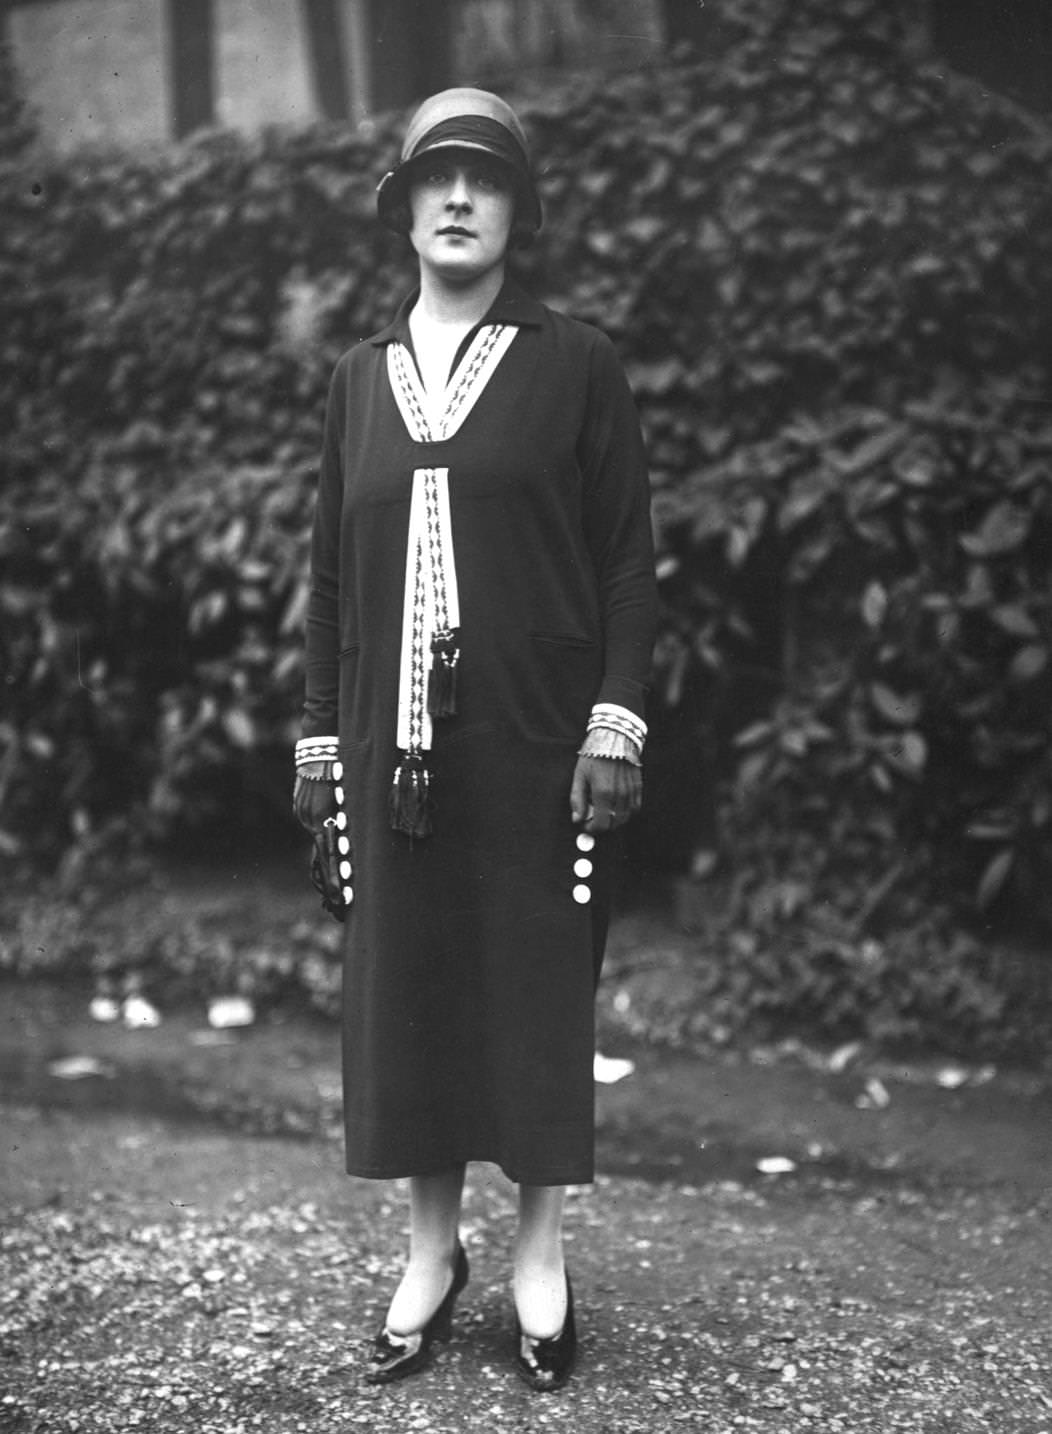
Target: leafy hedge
<point>826,269</point>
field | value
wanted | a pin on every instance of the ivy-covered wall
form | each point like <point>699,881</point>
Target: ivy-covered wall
<point>826,271</point>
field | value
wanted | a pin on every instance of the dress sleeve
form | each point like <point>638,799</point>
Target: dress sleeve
<point>320,717</point>
<point>617,528</point>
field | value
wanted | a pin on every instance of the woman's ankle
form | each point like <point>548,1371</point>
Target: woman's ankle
<point>540,1298</point>
<point>423,1287</point>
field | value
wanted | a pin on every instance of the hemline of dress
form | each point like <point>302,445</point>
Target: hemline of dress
<point>583,1175</point>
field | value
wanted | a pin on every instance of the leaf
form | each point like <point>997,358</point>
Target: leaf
<point>818,731</point>
<point>739,541</point>
<point>225,1012</point>
<point>1028,663</point>
<point>990,830</point>
<point>1005,529</point>
<point>208,611</point>
<point>607,1070</point>
<point>874,604</point>
<point>902,711</point>
<point>79,1068</point>
<point>645,228</point>
<point>239,727</point>
<point>752,769</point>
<point>602,242</point>
<point>880,778</point>
<point>871,451</point>
<point>875,1095</point>
<point>753,735</point>
<point>806,497</point>
<point>657,378</point>
<point>994,877</point>
<point>908,754</point>
<point>916,470</point>
<point>775,1165</point>
<point>139,1014</point>
<point>808,560</point>
<point>1015,620</point>
<point>844,1055</point>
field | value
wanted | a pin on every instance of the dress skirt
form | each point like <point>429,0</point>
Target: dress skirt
<point>471,969</point>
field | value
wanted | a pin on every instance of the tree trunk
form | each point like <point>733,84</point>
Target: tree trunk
<point>689,23</point>
<point>191,33</point>
<point>411,49</point>
<point>327,50</point>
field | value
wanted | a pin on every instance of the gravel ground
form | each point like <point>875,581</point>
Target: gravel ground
<point>160,1276</point>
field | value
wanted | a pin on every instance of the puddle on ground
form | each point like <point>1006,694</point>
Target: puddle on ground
<point>690,1162</point>
<point>674,1120</point>
<point>129,1090</point>
<point>136,1089</point>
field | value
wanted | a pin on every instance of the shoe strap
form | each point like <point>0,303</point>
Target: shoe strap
<point>403,1345</point>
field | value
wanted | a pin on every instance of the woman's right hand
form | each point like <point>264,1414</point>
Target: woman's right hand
<point>313,801</point>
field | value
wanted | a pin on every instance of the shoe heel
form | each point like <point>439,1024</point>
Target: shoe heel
<point>441,1325</point>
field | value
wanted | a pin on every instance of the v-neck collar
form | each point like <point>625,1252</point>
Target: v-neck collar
<point>511,306</point>
<point>433,418</point>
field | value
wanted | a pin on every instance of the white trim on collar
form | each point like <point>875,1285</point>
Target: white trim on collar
<point>429,422</point>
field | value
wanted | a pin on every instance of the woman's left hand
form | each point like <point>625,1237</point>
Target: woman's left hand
<point>606,791</point>
<point>313,801</point>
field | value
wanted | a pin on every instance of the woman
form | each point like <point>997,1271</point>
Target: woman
<point>478,645</point>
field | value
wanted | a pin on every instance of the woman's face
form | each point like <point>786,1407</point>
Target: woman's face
<point>462,204</point>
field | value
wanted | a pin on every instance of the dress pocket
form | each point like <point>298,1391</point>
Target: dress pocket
<point>558,686</point>
<point>563,639</point>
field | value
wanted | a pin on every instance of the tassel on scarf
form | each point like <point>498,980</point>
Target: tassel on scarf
<point>442,679</point>
<point>410,801</point>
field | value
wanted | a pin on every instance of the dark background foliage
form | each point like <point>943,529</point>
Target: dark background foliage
<point>826,269</point>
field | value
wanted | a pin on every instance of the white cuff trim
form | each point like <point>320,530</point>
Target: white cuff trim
<point>618,719</point>
<point>316,749</point>
<point>614,746</point>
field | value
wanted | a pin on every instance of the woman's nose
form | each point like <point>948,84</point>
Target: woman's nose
<point>459,196</point>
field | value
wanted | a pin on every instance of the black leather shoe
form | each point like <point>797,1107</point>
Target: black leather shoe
<point>545,1364</point>
<point>393,1356</point>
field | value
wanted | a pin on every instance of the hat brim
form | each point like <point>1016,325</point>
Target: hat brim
<point>392,193</point>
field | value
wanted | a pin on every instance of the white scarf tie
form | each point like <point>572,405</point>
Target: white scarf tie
<point>430,649</point>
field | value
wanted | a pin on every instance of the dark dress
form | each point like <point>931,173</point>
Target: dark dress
<point>471,955</point>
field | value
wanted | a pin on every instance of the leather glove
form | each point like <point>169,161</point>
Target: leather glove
<point>325,870</point>
<point>314,803</point>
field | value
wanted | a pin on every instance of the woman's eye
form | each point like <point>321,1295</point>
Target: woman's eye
<point>491,180</point>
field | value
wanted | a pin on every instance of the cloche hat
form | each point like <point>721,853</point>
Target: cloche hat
<point>463,119</point>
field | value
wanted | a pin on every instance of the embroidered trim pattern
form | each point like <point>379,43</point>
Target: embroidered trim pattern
<point>605,742</point>
<point>430,649</point>
<point>316,749</point>
<point>618,719</point>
